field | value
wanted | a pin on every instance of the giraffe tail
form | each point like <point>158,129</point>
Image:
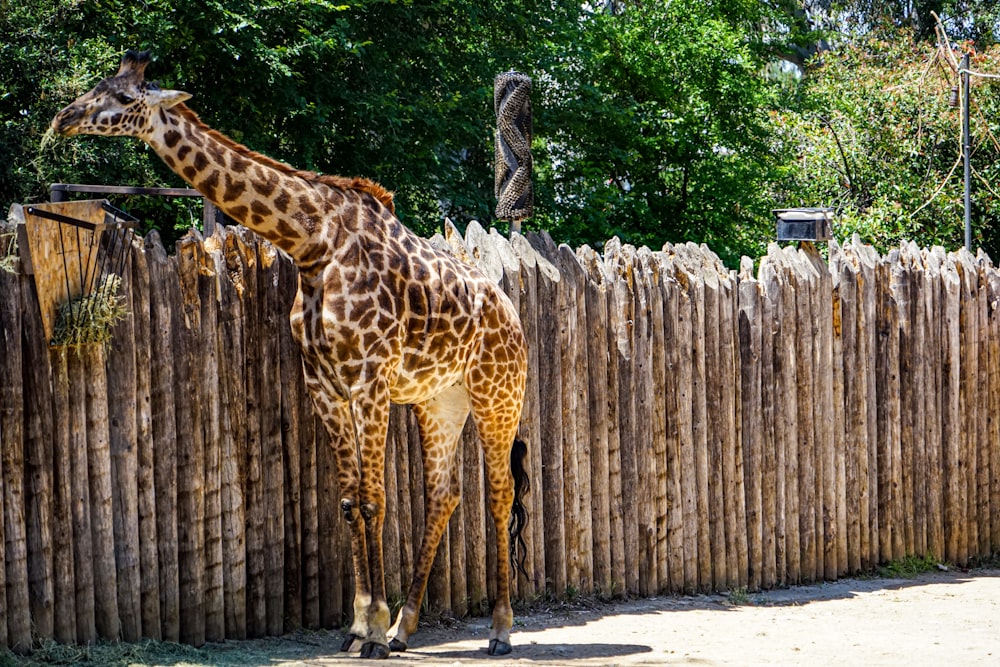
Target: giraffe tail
<point>518,513</point>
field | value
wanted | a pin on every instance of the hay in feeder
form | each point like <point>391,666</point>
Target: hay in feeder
<point>8,252</point>
<point>91,318</point>
<point>9,256</point>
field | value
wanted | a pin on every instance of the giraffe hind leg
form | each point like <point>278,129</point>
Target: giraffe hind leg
<point>441,421</point>
<point>497,396</point>
<point>497,442</point>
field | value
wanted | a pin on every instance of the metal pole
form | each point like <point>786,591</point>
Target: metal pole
<point>966,152</point>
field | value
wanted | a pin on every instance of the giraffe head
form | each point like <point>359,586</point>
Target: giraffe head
<point>121,105</point>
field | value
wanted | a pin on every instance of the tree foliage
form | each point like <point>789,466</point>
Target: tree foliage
<point>397,91</point>
<point>876,137</point>
<point>659,129</point>
<point>654,121</point>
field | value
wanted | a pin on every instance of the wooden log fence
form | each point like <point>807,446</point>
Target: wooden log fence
<point>690,428</point>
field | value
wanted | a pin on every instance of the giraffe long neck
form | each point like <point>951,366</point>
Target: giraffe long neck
<point>267,197</point>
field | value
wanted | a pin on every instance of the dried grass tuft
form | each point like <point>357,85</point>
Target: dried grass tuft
<point>91,318</point>
<point>9,257</point>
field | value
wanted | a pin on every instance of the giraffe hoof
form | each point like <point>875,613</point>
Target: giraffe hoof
<point>397,646</point>
<point>375,651</point>
<point>348,643</point>
<point>498,647</point>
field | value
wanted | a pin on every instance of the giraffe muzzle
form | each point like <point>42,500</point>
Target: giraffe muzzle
<point>65,122</point>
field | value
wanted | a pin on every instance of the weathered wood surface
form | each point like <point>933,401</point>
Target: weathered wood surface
<point>689,428</point>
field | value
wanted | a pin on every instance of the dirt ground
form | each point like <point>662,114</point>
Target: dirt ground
<point>939,618</point>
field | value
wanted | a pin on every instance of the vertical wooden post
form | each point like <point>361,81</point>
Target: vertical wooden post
<point>951,427</point>
<point>597,410</point>
<point>867,336</point>
<point>851,403</point>
<point>569,344</point>
<point>983,446</point>
<point>531,429</point>
<point>208,259</point>
<point>190,448</point>
<point>931,316</point>
<point>646,435</point>
<point>622,342</point>
<point>685,484</point>
<point>550,436</point>
<point>827,527</point>
<point>232,390</point>
<point>273,314</point>
<point>672,553</point>
<point>121,405</point>
<point>16,610</point>
<point>768,441</point>
<point>37,450</point>
<point>752,423</point>
<point>993,406</point>
<point>838,424</point>
<point>163,301</point>
<point>101,504</point>
<point>292,446</point>
<point>969,361</point>
<point>64,590</point>
<point>659,406</point>
<point>734,500</point>
<point>148,563</point>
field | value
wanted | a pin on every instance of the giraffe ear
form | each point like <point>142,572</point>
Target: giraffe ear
<point>166,98</point>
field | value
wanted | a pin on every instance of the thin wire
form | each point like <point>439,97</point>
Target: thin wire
<point>984,182</point>
<point>939,188</point>
<point>982,75</point>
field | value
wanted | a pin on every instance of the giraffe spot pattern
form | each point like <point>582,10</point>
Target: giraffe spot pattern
<point>282,201</point>
<point>200,161</point>
<point>209,185</point>
<point>265,184</point>
<point>234,189</point>
<point>285,229</point>
<point>261,209</point>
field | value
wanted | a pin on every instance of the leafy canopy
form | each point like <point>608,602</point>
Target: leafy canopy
<point>653,121</point>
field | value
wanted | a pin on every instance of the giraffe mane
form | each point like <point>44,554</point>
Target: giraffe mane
<point>340,182</point>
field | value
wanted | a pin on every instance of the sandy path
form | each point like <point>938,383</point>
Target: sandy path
<point>946,618</point>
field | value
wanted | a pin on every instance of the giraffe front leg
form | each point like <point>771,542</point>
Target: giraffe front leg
<point>362,579</point>
<point>357,435</point>
<point>371,611</point>
<point>370,411</point>
<point>376,644</point>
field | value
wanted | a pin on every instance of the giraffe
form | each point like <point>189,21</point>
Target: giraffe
<point>380,315</point>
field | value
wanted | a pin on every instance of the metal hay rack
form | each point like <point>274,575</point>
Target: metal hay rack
<point>78,264</point>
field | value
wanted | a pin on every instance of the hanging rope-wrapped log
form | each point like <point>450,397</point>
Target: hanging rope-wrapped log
<point>512,103</point>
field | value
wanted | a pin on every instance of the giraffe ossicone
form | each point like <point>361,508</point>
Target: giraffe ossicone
<point>381,316</point>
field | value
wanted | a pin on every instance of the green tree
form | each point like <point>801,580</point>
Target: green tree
<point>655,128</point>
<point>874,135</point>
<point>397,91</point>
<point>651,119</point>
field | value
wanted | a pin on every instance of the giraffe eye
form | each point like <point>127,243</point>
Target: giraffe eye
<point>124,98</point>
